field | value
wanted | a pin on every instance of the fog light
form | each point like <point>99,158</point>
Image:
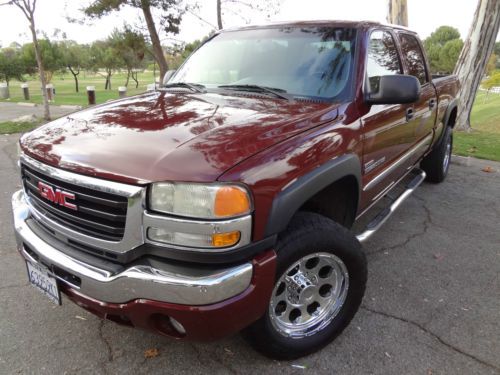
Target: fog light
<point>178,326</point>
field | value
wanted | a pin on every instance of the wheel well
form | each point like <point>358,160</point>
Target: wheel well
<point>338,201</point>
<point>453,118</point>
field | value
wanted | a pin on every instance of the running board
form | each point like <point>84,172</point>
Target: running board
<point>383,215</point>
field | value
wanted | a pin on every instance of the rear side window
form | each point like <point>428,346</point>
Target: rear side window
<point>413,56</point>
<point>383,58</point>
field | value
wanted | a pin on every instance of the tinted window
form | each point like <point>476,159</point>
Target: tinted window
<point>306,61</point>
<point>413,57</point>
<point>383,58</point>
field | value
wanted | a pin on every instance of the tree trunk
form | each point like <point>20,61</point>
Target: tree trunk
<point>474,57</point>
<point>398,12</point>
<point>154,71</point>
<point>75,76</point>
<point>41,71</point>
<point>134,77</point>
<point>155,39</point>
<point>128,78</point>
<point>219,14</point>
<point>107,86</point>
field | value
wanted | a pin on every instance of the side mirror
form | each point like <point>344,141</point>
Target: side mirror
<point>168,75</point>
<point>395,89</point>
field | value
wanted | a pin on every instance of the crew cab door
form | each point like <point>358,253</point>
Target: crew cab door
<point>386,132</point>
<point>422,115</point>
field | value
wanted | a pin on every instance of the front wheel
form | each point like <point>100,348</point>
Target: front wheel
<point>321,279</point>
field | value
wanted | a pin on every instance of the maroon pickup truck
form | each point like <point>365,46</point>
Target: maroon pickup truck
<point>224,201</point>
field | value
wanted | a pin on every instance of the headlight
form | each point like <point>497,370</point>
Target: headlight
<point>201,201</point>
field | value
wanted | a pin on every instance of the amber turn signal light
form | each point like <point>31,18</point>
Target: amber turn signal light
<point>231,201</point>
<point>225,239</point>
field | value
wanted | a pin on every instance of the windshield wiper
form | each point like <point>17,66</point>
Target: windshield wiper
<point>196,87</point>
<point>279,93</point>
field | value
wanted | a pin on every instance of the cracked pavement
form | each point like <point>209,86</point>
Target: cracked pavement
<point>432,304</point>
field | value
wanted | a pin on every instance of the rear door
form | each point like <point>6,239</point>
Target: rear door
<point>423,112</point>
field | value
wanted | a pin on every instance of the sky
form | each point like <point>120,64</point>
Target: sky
<point>424,16</point>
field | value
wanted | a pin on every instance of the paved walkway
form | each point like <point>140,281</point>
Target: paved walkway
<point>10,111</point>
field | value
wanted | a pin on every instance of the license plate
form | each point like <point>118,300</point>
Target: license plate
<point>43,281</point>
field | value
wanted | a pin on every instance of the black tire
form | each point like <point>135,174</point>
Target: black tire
<point>437,163</point>
<point>311,233</point>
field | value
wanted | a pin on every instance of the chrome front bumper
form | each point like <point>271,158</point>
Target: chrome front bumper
<point>168,283</point>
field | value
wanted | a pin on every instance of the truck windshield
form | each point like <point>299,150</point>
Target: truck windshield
<point>314,62</point>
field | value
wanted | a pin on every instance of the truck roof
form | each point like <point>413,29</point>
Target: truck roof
<point>343,23</point>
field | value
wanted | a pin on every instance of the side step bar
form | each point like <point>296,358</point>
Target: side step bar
<point>383,215</point>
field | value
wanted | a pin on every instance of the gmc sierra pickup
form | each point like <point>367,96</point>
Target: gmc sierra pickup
<point>224,201</point>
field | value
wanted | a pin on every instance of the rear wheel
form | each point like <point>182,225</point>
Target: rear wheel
<point>321,278</point>
<point>437,163</point>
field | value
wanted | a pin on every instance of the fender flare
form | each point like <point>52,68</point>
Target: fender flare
<point>289,200</point>
<point>453,104</point>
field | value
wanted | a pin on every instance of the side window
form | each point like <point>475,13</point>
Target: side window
<point>413,57</point>
<point>383,58</point>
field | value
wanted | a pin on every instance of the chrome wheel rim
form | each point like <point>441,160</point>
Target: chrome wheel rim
<point>447,156</point>
<point>309,295</point>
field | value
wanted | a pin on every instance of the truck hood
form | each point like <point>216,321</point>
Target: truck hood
<point>163,136</point>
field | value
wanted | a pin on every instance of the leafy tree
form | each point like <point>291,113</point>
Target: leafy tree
<point>170,14</point>
<point>28,8</point>
<point>190,47</point>
<point>51,56</point>
<point>448,55</point>
<point>492,62</point>
<point>442,35</point>
<point>131,47</point>
<point>75,57</point>
<point>11,65</point>
<point>242,9</point>
<point>104,56</point>
<point>492,81</point>
<point>443,47</point>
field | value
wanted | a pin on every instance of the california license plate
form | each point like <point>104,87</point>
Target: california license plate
<point>43,281</point>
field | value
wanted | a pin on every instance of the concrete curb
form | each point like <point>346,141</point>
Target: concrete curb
<point>470,161</point>
<point>67,106</point>
<point>461,160</point>
<point>24,104</point>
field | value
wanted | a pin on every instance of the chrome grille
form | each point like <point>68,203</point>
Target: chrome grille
<point>100,214</point>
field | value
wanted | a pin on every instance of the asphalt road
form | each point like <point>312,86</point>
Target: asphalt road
<point>432,305</point>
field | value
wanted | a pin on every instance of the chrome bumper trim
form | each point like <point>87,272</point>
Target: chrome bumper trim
<point>167,283</point>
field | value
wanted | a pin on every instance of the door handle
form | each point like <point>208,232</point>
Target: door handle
<point>409,114</point>
<point>432,103</point>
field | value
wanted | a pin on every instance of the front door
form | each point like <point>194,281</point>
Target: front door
<point>386,132</point>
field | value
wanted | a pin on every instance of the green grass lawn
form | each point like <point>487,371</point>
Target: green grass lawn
<point>10,127</point>
<point>65,88</point>
<point>483,141</point>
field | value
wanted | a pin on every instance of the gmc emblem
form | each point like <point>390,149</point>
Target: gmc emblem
<point>58,196</point>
